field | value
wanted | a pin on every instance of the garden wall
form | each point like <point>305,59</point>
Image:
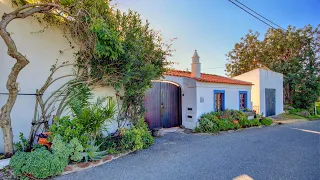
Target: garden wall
<point>42,49</point>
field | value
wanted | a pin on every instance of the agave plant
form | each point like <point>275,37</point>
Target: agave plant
<point>92,152</point>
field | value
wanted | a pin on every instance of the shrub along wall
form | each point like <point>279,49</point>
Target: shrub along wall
<point>78,138</point>
<point>214,122</point>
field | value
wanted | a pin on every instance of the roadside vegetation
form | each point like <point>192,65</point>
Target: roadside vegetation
<point>113,49</point>
<point>215,122</point>
<point>77,138</point>
<point>293,52</point>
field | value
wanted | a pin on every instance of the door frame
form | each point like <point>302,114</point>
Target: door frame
<point>179,98</point>
<point>274,104</point>
<point>223,99</point>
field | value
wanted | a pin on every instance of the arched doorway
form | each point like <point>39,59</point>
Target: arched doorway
<point>163,105</point>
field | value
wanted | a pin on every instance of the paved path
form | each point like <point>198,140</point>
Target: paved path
<point>277,152</point>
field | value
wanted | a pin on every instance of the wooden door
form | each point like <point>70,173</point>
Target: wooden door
<point>162,104</point>
<point>270,97</point>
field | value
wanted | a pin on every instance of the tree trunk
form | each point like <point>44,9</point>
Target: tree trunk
<point>8,139</point>
<point>21,62</point>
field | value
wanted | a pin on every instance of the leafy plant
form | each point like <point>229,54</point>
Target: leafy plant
<point>249,123</point>
<point>136,138</point>
<point>88,121</point>
<point>95,116</point>
<point>266,121</point>
<point>92,152</point>
<point>69,128</point>
<point>131,139</point>
<point>147,140</point>
<point>41,163</point>
<point>76,150</point>
<point>22,144</point>
<point>207,125</point>
<point>222,121</point>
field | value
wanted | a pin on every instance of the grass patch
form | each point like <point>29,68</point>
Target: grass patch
<point>287,116</point>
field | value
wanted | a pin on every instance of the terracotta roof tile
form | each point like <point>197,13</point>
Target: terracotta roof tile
<point>208,78</point>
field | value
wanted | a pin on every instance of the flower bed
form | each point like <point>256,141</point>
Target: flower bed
<point>215,122</point>
<point>70,156</point>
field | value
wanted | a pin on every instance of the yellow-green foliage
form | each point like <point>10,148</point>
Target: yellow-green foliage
<point>137,138</point>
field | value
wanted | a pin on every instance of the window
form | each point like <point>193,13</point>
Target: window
<point>243,100</point>
<point>219,100</point>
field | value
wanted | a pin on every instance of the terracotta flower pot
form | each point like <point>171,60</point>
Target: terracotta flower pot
<point>235,121</point>
<point>43,139</point>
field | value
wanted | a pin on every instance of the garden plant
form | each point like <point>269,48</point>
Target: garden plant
<point>214,122</point>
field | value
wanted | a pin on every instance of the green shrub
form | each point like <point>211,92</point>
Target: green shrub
<point>224,125</point>
<point>142,125</point>
<point>210,123</point>
<point>22,144</point>
<point>136,138</point>
<point>249,123</point>
<point>318,110</point>
<point>255,122</point>
<point>88,121</point>
<point>92,152</point>
<point>212,116</point>
<point>40,163</point>
<point>266,121</point>
<point>147,140</point>
<point>75,150</point>
<point>69,128</point>
<point>207,126</point>
<point>131,139</point>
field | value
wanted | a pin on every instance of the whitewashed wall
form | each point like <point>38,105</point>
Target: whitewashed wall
<point>262,79</point>
<point>206,90</point>
<point>253,77</point>
<point>273,80</point>
<point>42,49</point>
<point>192,91</point>
<point>188,99</point>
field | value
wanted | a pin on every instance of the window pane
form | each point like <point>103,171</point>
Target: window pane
<point>218,101</point>
<point>243,101</point>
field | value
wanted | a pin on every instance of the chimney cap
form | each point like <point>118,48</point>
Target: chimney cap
<point>195,55</point>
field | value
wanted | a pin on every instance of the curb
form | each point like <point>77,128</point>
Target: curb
<point>4,163</point>
<point>71,168</point>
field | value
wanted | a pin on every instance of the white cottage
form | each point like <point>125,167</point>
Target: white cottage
<point>183,96</point>
<point>267,90</point>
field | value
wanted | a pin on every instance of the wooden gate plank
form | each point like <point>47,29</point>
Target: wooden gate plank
<point>162,104</point>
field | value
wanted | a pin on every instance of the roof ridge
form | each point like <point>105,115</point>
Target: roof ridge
<point>207,77</point>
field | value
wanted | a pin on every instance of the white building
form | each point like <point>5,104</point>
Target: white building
<point>178,99</point>
<point>267,90</point>
<point>195,93</point>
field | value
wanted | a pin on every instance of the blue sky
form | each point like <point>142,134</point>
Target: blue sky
<point>214,26</point>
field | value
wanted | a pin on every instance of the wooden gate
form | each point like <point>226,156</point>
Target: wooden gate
<point>270,95</point>
<point>162,104</point>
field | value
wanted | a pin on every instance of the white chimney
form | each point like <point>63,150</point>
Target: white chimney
<point>195,65</point>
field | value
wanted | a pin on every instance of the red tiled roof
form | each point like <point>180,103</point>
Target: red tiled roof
<point>208,78</point>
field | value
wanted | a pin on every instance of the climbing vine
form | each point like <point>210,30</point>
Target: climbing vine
<point>114,49</point>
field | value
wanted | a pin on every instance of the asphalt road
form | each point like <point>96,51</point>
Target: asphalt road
<point>277,152</point>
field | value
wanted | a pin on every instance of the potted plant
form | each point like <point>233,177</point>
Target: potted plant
<point>43,139</point>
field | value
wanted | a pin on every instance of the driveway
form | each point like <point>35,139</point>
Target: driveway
<point>279,152</point>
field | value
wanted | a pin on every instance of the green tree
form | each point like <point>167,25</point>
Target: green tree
<point>115,48</point>
<point>292,52</point>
